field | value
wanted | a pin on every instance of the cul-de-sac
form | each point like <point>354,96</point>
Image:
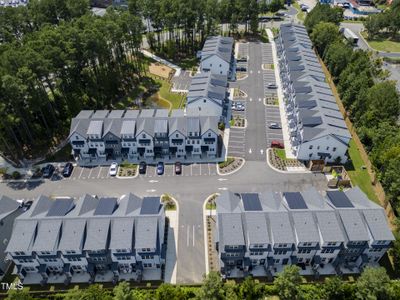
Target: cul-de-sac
<point>168,149</point>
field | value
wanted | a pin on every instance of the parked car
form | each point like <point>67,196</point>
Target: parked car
<point>113,169</point>
<point>277,144</point>
<point>48,171</point>
<point>274,125</point>
<point>178,168</point>
<point>239,106</point>
<point>142,167</point>
<point>160,168</point>
<point>242,59</point>
<point>272,86</point>
<point>241,69</point>
<point>27,205</point>
<point>67,169</point>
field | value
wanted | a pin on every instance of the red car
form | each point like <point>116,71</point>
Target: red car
<point>277,144</point>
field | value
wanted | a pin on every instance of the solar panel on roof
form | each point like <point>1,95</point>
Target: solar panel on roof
<point>251,202</point>
<point>60,207</point>
<point>339,199</point>
<point>106,206</point>
<point>150,206</point>
<point>295,200</point>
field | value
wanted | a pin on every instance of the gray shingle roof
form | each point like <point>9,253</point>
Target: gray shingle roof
<point>230,229</point>
<point>281,227</point>
<point>353,225</point>
<point>128,127</point>
<point>146,232</point>
<point>72,235</point>
<point>161,126</point>
<point>100,114</point>
<point>305,227</point>
<point>193,124</point>
<point>228,202</point>
<point>308,79</point>
<point>7,206</point>
<point>47,235</point>
<point>377,224</point>
<point>95,127</point>
<point>146,125</point>
<point>218,45</point>
<point>178,124</point>
<point>97,234</point>
<point>131,114</point>
<point>256,230</point>
<point>22,235</point>
<point>207,85</point>
<point>329,226</point>
<point>122,233</point>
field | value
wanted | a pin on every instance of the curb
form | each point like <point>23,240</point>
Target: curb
<point>280,171</point>
<point>245,77</point>
<point>234,171</point>
<point>205,231</point>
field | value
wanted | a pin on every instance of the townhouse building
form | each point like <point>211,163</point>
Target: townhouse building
<point>217,56</point>
<point>208,95</point>
<point>316,128</point>
<point>89,239</point>
<point>338,233</point>
<point>9,210</point>
<point>151,135</point>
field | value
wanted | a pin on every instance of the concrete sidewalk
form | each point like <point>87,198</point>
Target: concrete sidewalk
<point>163,61</point>
<point>285,128</point>
<point>172,246</point>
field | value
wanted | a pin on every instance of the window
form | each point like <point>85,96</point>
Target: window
<point>334,149</point>
<point>318,148</point>
<point>311,146</point>
<point>309,155</point>
<point>176,135</point>
<point>209,134</point>
<point>210,65</point>
<point>276,261</point>
<point>204,100</point>
<point>220,65</point>
<point>327,148</point>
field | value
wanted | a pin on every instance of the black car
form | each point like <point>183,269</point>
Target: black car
<point>142,167</point>
<point>178,168</point>
<point>48,171</point>
<point>67,169</point>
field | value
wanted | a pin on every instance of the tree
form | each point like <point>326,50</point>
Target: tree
<point>333,288</point>
<point>373,284</point>
<point>337,56</point>
<point>383,104</point>
<point>276,5</point>
<point>19,295</point>
<point>250,289</point>
<point>122,291</point>
<point>212,287</point>
<point>254,11</point>
<point>168,291</point>
<point>230,290</point>
<point>323,35</point>
<point>287,283</point>
<point>323,13</point>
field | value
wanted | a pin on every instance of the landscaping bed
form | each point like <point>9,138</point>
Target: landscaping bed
<point>240,75</point>
<point>277,158</point>
<point>237,93</point>
<point>268,66</point>
<point>272,100</point>
<point>127,170</point>
<point>230,165</point>
<point>168,202</point>
<point>238,121</point>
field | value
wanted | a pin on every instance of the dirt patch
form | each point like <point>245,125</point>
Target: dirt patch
<point>161,70</point>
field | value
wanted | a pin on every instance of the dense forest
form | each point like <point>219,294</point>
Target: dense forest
<point>373,284</point>
<point>57,58</point>
<point>372,101</point>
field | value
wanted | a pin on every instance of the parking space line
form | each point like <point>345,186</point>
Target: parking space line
<point>209,169</point>
<point>81,173</point>
<point>98,175</point>
<point>200,172</point>
<point>90,173</point>
<point>191,170</point>
<point>72,173</point>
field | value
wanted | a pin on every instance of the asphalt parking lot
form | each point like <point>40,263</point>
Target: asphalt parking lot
<point>203,169</point>
<point>272,116</point>
<point>182,82</point>
<point>243,52</point>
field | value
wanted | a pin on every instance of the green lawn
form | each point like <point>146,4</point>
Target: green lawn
<point>359,176</point>
<point>164,94</point>
<point>281,153</point>
<point>301,15</point>
<point>383,43</point>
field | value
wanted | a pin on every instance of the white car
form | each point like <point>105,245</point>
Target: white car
<point>113,169</point>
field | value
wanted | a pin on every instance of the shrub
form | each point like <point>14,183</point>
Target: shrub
<point>16,175</point>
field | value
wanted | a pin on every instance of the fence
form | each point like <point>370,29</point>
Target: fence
<point>376,185</point>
